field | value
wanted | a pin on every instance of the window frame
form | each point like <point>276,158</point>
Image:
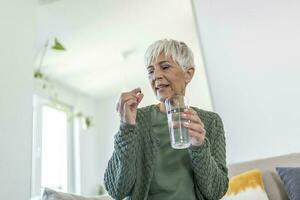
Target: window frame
<point>72,163</point>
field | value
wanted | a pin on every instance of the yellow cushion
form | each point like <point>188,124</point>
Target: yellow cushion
<point>248,185</point>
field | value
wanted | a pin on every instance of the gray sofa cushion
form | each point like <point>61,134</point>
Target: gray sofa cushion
<point>291,180</point>
<point>273,183</point>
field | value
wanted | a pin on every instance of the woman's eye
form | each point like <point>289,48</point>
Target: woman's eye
<point>150,71</point>
<point>165,66</point>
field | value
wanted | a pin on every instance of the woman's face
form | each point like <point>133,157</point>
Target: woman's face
<point>167,78</point>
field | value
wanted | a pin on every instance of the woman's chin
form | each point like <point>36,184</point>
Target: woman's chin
<point>163,97</point>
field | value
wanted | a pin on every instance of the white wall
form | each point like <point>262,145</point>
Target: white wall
<point>17,22</point>
<point>251,52</point>
<point>89,151</point>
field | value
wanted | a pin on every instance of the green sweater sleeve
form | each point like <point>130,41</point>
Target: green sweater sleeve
<point>209,163</point>
<point>120,174</point>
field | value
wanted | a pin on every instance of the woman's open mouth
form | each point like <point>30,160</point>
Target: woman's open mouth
<point>161,87</point>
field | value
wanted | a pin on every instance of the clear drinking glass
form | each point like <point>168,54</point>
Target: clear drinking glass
<point>179,136</point>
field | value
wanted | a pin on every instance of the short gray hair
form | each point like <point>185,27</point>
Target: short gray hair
<point>178,51</point>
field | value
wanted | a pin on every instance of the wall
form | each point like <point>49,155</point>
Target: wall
<point>251,56</point>
<point>17,22</point>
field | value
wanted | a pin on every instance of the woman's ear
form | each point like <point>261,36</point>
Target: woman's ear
<point>189,73</point>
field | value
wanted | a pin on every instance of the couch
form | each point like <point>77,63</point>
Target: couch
<point>50,194</point>
<point>273,184</point>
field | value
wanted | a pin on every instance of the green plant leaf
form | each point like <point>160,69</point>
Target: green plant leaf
<point>58,46</point>
<point>38,74</point>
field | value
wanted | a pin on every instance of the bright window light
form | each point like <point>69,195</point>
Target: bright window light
<point>54,149</point>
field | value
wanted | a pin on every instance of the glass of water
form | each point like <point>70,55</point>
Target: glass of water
<point>175,106</point>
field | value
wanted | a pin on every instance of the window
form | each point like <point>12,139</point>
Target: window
<point>53,147</point>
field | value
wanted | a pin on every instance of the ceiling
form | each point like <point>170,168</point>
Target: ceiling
<point>105,40</point>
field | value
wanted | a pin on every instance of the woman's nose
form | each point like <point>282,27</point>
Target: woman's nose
<point>157,74</point>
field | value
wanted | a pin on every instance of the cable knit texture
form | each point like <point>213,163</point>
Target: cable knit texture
<point>130,169</point>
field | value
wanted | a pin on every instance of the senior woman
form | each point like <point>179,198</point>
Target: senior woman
<point>143,164</point>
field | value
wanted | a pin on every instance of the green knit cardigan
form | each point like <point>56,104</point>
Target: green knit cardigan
<point>130,169</point>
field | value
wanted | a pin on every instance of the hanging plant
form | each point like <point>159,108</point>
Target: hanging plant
<point>86,121</point>
<point>56,46</point>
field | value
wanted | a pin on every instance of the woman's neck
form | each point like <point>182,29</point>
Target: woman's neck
<point>161,107</point>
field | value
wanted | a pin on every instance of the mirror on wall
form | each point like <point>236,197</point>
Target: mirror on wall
<point>87,53</point>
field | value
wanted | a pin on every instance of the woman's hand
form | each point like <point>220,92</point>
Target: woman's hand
<point>127,105</point>
<point>195,126</point>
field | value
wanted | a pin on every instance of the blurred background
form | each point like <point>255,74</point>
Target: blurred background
<point>87,54</point>
<point>64,64</point>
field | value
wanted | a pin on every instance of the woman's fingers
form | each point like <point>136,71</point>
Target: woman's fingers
<point>194,126</point>
<point>192,116</point>
<point>135,91</point>
<point>140,96</point>
<point>128,103</point>
<point>196,138</point>
<point>123,98</point>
